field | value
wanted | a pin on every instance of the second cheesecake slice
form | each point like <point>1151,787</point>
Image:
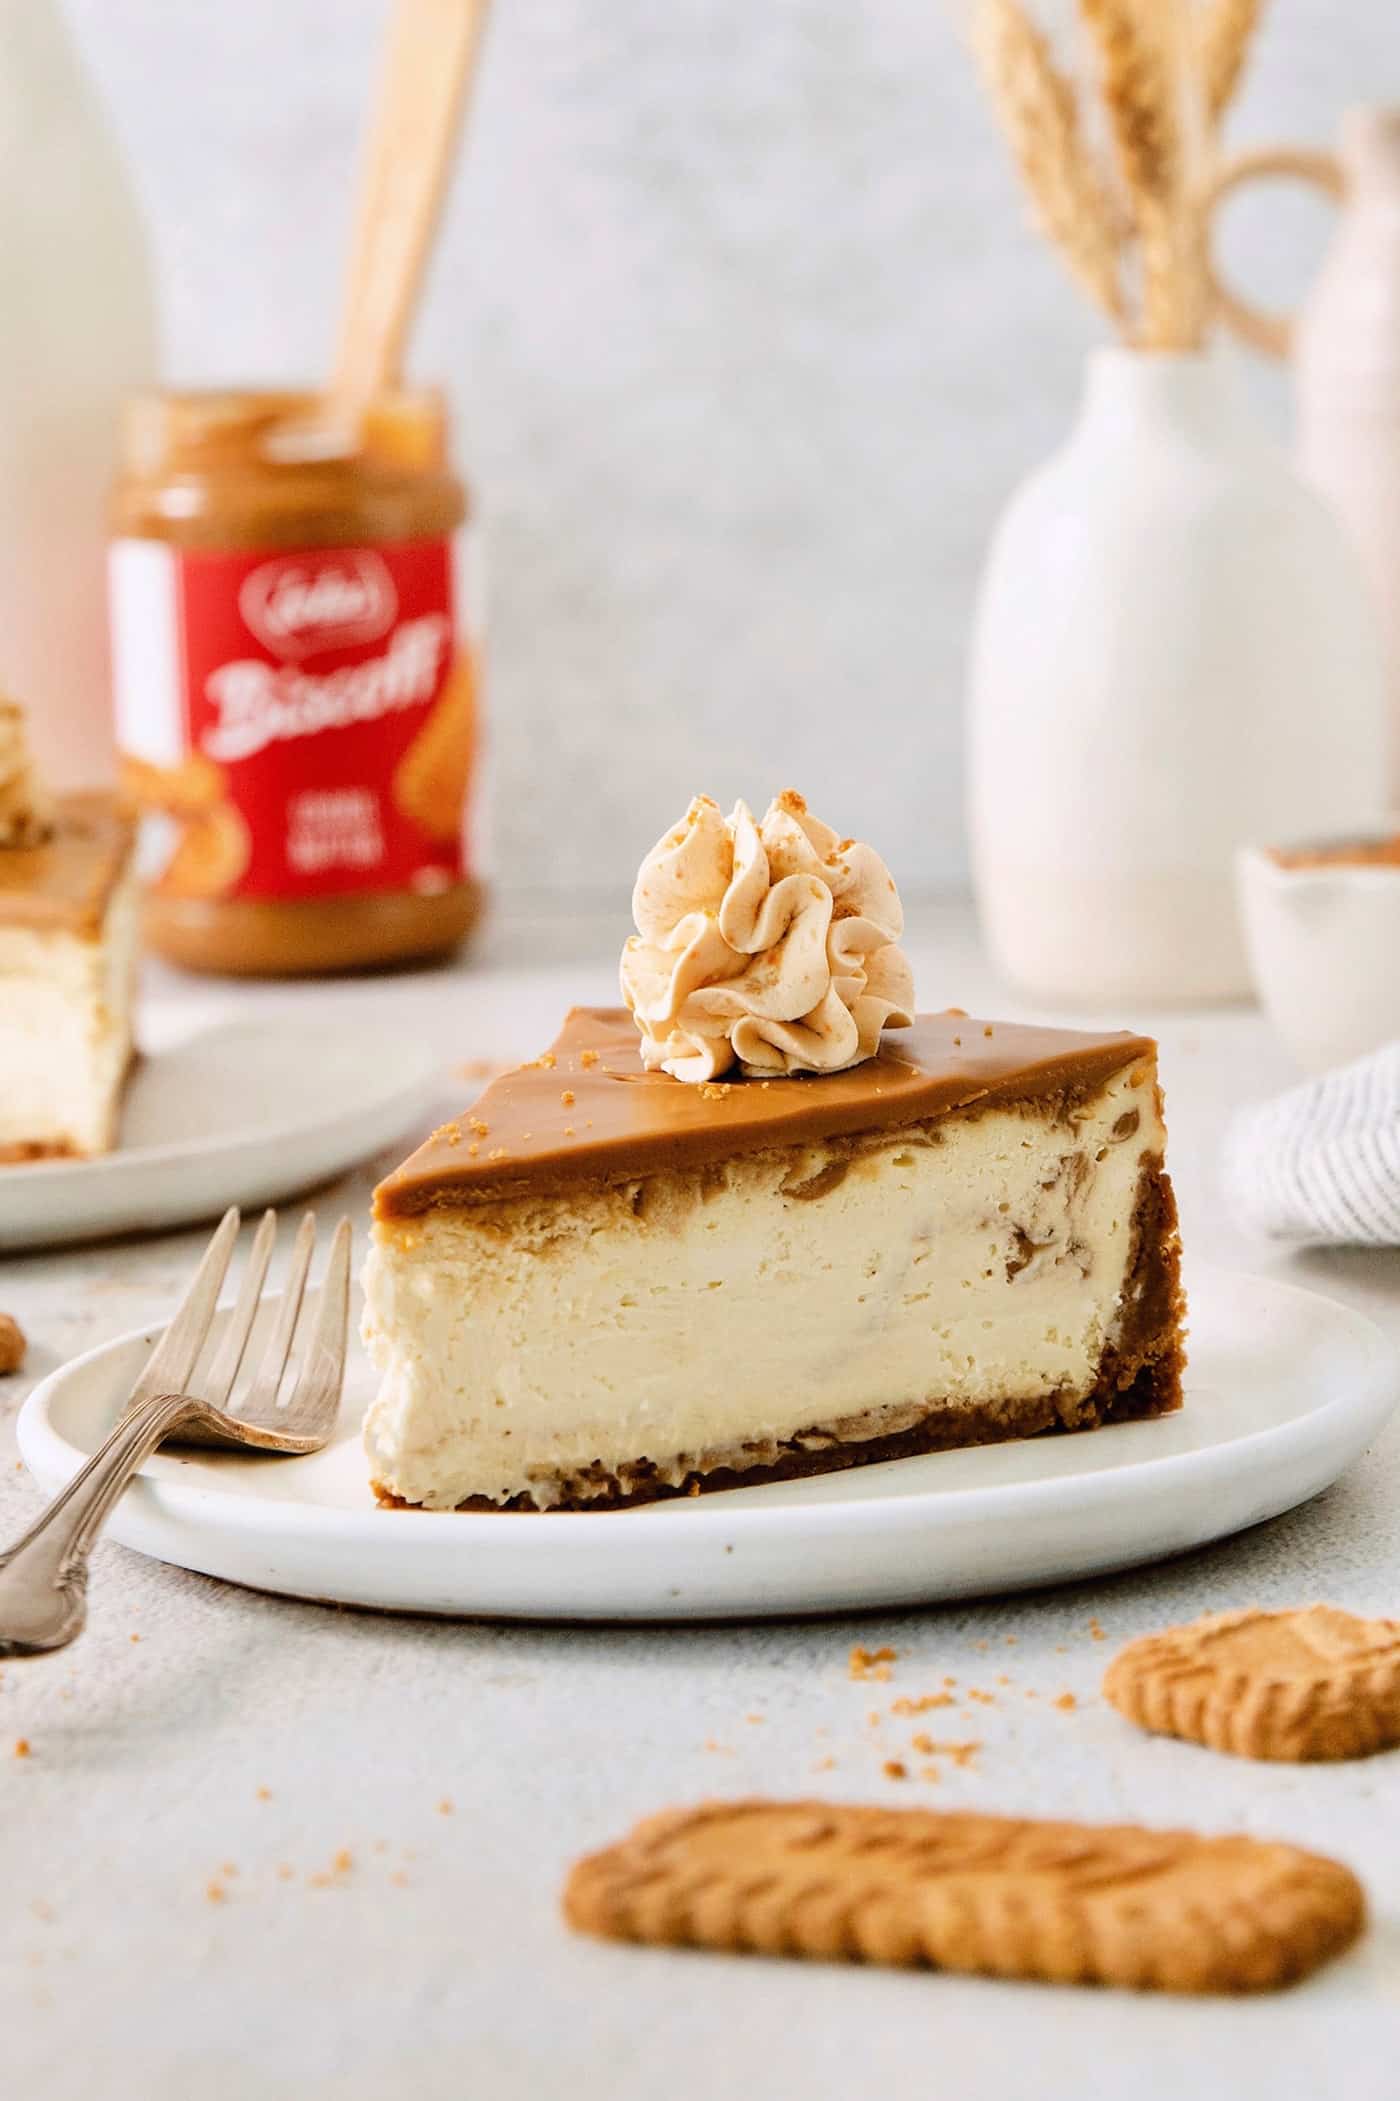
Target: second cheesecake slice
<point>602,1286</point>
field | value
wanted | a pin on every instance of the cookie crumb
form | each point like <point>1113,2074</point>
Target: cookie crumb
<point>22,1747</point>
<point>896,1769</point>
<point>445,1806</point>
<point>871,1663</point>
<point>1065,1701</point>
<point>264,1794</point>
<point>924,1705</point>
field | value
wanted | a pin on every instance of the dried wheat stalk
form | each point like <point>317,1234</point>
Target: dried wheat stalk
<point>1166,73</point>
<point>1140,78</point>
<point>1040,115</point>
<point>1224,35</point>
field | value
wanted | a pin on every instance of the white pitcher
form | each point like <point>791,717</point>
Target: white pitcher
<point>1345,346</point>
<point>1172,655</point>
<point>77,332</point>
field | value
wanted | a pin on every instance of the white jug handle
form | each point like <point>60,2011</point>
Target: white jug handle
<point>1270,333</point>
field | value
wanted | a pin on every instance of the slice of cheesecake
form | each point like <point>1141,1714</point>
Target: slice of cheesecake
<point>68,939</point>
<point>603,1286</point>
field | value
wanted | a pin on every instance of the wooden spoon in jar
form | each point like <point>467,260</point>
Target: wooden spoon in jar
<point>431,57</point>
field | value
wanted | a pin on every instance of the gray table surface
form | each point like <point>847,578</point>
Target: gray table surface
<point>264,1848</point>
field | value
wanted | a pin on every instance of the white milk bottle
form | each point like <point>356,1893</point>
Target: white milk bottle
<point>77,332</point>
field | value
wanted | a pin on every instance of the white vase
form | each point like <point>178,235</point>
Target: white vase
<point>1172,656</point>
<point>78,331</point>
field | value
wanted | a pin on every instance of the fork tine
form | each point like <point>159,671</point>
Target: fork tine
<point>224,1370</point>
<point>263,1399</point>
<point>316,1396</point>
<point>172,1361</point>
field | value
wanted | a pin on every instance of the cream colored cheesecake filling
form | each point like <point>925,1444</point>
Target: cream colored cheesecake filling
<point>65,1029</point>
<point>977,1259</point>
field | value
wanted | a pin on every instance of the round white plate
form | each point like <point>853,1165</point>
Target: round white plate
<point>247,1113</point>
<point>1285,1390</point>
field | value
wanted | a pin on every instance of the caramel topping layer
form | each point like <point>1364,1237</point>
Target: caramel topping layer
<point>587,1111</point>
<point>63,885</point>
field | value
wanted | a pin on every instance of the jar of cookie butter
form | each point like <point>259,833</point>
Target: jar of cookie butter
<point>294,682</point>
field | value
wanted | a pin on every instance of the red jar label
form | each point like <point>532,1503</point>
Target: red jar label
<point>302,723</point>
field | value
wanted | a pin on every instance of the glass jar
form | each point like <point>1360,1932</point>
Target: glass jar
<point>295,690</point>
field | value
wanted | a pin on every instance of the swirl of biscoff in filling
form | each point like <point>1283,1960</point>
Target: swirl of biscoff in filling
<point>26,813</point>
<point>768,946</point>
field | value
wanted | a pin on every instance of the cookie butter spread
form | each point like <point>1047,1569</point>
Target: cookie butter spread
<point>295,686</point>
<point>768,946</point>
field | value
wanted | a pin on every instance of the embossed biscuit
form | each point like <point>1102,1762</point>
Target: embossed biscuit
<point>210,855</point>
<point>1295,1685</point>
<point>431,779</point>
<point>1065,1903</point>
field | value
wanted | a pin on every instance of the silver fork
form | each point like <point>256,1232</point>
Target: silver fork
<point>43,1578</point>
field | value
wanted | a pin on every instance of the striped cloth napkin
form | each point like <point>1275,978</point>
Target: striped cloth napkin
<point>1320,1165</point>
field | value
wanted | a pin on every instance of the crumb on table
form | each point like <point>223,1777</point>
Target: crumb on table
<point>871,1663</point>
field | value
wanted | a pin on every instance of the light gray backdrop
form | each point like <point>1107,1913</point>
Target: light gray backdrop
<point>748,341</point>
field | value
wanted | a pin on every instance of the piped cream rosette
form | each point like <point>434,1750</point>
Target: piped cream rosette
<point>771,946</point>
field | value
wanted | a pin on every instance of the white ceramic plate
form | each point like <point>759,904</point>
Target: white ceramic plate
<point>1285,1390</point>
<point>247,1113</point>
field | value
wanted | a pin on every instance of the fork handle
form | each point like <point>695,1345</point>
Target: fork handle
<point>43,1577</point>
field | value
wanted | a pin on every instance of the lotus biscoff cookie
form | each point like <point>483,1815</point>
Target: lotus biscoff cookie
<point>1063,1903</point>
<point>1299,1685</point>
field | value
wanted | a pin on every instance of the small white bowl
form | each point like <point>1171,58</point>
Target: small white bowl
<point>1324,947</point>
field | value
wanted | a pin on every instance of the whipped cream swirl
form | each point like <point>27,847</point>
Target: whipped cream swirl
<point>26,813</point>
<point>768,946</point>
